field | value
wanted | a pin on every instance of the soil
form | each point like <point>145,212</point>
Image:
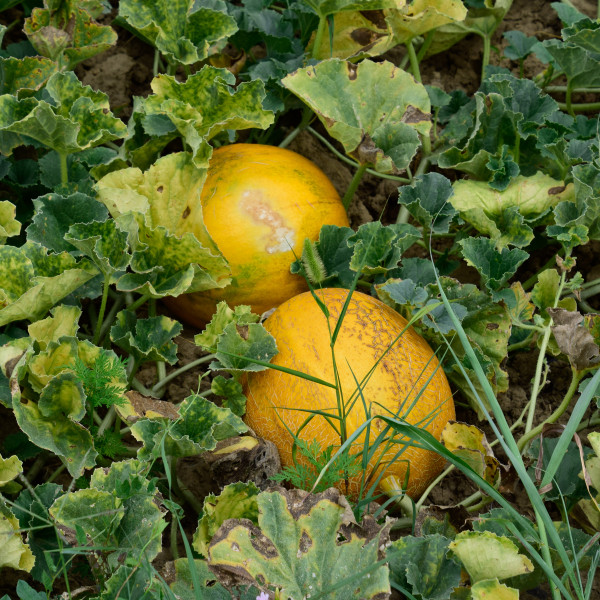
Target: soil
<point>126,71</point>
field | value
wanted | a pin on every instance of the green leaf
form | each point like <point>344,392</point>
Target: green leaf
<point>240,315</point>
<point>79,117</point>
<point>104,243</point>
<point>206,104</point>
<point>377,248</point>
<point>200,426</point>
<point>54,214</point>
<point>19,77</point>
<point>31,508</point>
<point>136,582</point>
<point>427,199</point>
<point>9,226</point>
<point>67,35</point>
<point>420,565</point>
<point>422,16</point>
<point>166,265</point>
<point>581,68</point>
<point>335,253</point>
<point>182,31</point>
<point>519,46</point>
<point>247,342</point>
<point>507,216</point>
<point>236,501</point>
<point>482,18</point>
<point>184,588</point>
<point>230,391</point>
<point>57,432</point>
<point>488,556</point>
<point>138,531</point>
<point>146,339</point>
<point>297,548</point>
<point>382,131</point>
<point>32,281</point>
<point>96,512</point>
<point>496,268</point>
<point>161,210</point>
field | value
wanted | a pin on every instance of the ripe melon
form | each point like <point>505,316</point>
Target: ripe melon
<point>369,327</point>
<point>259,203</point>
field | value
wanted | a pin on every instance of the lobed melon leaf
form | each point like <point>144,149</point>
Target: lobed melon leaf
<point>304,544</point>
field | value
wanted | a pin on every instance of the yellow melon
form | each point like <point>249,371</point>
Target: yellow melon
<point>408,382</point>
<point>259,203</point>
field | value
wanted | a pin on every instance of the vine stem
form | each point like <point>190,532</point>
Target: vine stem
<point>319,36</point>
<point>307,115</point>
<point>137,303</point>
<point>64,168</point>
<point>100,319</point>
<point>568,95</point>
<point>485,60</point>
<point>358,175</point>
<point>108,420</point>
<point>530,434</point>
<point>414,61</point>
<point>592,106</point>
<point>177,372</point>
<point>540,362</point>
<point>351,162</point>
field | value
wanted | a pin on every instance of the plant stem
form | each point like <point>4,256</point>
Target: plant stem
<point>64,168</point>
<point>37,466</point>
<point>100,320</point>
<point>321,28</point>
<point>568,95</point>
<point>591,107</point>
<point>414,61</point>
<point>563,88</point>
<point>108,421</point>
<point>425,45</point>
<point>112,313</point>
<point>431,486</point>
<point>540,362</point>
<point>178,372</point>
<point>137,303</point>
<point>530,434</point>
<point>155,63</point>
<point>351,162</point>
<point>358,174</point>
<point>307,115</point>
<point>138,386</point>
<point>545,549</point>
<point>485,60</point>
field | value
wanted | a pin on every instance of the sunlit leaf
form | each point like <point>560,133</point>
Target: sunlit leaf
<point>380,131</point>
<point>183,31</point>
<point>236,501</point>
<point>15,552</point>
<point>200,426</point>
<point>488,556</point>
<point>421,16</point>
<point>297,548</point>
<point>67,35</point>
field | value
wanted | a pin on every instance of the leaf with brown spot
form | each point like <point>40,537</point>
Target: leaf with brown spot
<point>304,544</point>
<point>375,110</point>
<point>469,443</point>
<point>574,340</point>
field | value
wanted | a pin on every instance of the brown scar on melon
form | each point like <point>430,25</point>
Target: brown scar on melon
<point>282,237</point>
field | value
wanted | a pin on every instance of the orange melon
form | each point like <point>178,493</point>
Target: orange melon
<point>408,382</point>
<point>259,203</point>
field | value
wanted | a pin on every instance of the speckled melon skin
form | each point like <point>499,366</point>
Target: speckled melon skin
<point>259,203</point>
<point>369,327</point>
